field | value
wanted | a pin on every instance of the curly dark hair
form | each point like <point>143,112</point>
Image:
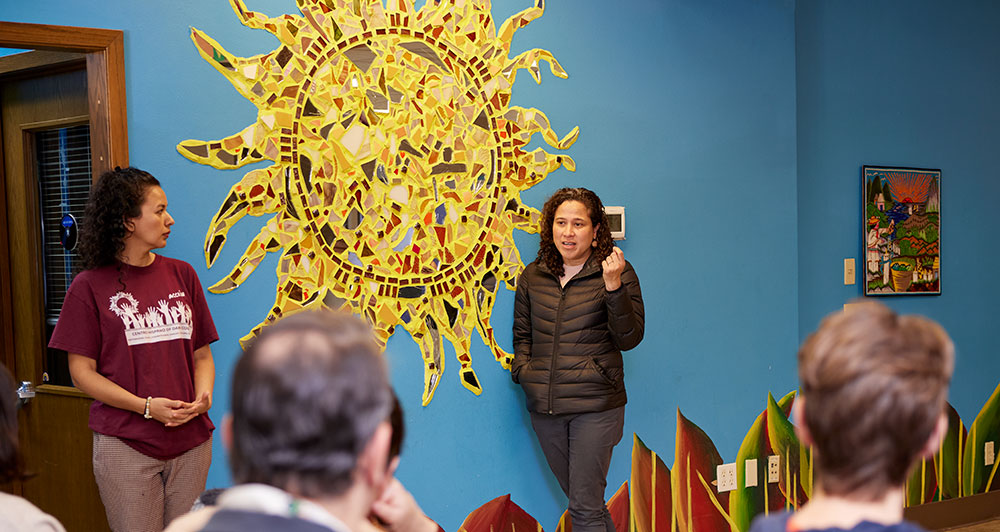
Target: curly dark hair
<point>547,251</point>
<point>115,197</point>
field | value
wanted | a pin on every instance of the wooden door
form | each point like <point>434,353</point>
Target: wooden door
<point>55,440</point>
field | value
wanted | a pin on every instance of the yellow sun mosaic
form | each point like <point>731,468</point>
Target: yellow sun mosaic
<point>398,164</point>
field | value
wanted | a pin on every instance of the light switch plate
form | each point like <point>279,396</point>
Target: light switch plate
<point>849,273</point>
<point>750,473</point>
<point>773,469</point>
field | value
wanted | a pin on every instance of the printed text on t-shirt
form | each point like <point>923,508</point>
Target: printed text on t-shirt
<point>162,322</point>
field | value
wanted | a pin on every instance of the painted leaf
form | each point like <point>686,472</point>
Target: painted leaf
<point>746,502</point>
<point>695,457</point>
<point>500,514</point>
<point>947,459</point>
<point>976,476</point>
<point>776,501</point>
<point>617,506</point>
<point>651,497</point>
<point>565,524</point>
<point>794,458</point>
<point>922,483</point>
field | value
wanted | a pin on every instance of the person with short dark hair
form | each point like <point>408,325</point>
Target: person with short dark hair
<point>16,513</point>
<point>309,434</point>
<point>137,329</point>
<point>874,386</point>
<point>577,307</point>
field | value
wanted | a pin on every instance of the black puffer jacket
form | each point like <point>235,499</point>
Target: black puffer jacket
<point>568,341</point>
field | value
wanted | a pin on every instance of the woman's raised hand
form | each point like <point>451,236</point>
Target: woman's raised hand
<point>613,267</point>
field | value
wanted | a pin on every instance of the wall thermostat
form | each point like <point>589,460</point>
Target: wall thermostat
<point>616,221</point>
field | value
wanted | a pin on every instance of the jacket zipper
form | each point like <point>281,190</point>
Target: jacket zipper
<point>555,340</point>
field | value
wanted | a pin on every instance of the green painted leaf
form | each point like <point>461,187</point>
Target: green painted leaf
<point>794,458</point>
<point>947,458</point>
<point>744,502</point>
<point>922,483</point>
<point>975,473</point>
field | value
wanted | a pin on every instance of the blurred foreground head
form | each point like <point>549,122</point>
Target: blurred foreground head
<point>307,397</point>
<point>874,385</point>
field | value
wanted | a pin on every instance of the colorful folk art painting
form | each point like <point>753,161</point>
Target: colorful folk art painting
<point>397,165</point>
<point>902,230</point>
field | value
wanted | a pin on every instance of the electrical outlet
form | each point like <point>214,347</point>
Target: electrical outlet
<point>726,475</point>
<point>988,453</point>
<point>750,476</point>
<point>773,469</point>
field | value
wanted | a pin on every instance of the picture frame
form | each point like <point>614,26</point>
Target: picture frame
<point>901,230</point>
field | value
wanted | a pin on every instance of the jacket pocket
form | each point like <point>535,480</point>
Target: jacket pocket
<point>601,371</point>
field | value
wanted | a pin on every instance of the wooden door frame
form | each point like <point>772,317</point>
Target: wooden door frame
<point>105,56</point>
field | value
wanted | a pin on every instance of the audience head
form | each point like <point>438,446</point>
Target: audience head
<point>309,396</point>
<point>874,388</point>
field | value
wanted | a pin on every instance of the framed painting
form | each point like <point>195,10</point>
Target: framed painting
<point>901,221</point>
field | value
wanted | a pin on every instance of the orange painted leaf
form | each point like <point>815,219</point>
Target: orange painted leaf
<point>500,514</point>
<point>695,454</point>
<point>619,508</point>
<point>651,497</point>
<point>565,524</point>
<point>617,505</point>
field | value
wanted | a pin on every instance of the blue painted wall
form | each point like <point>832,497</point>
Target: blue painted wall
<point>910,84</point>
<point>733,132</point>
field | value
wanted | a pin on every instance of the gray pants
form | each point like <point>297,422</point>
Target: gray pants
<point>578,449</point>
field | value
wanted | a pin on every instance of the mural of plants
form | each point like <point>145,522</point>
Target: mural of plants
<point>685,498</point>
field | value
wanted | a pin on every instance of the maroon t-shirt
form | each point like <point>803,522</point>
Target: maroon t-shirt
<point>143,337</point>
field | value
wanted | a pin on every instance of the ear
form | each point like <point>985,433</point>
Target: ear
<point>129,225</point>
<point>936,437</point>
<point>374,460</point>
<point>799,419</point>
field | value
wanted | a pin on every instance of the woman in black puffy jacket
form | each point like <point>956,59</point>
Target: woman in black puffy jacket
<point>578,306</point>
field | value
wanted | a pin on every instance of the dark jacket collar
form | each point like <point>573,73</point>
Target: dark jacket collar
<point>592,265</point>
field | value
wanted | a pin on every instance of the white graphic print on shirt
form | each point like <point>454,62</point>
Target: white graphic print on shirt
<point>159,323</point>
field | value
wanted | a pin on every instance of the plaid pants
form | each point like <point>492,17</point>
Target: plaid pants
<point>141,493</point>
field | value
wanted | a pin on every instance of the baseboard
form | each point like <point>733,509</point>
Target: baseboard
<point>955,512</point>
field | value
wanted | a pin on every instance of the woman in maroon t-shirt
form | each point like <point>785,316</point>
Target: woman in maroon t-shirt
<point>137,330</point>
